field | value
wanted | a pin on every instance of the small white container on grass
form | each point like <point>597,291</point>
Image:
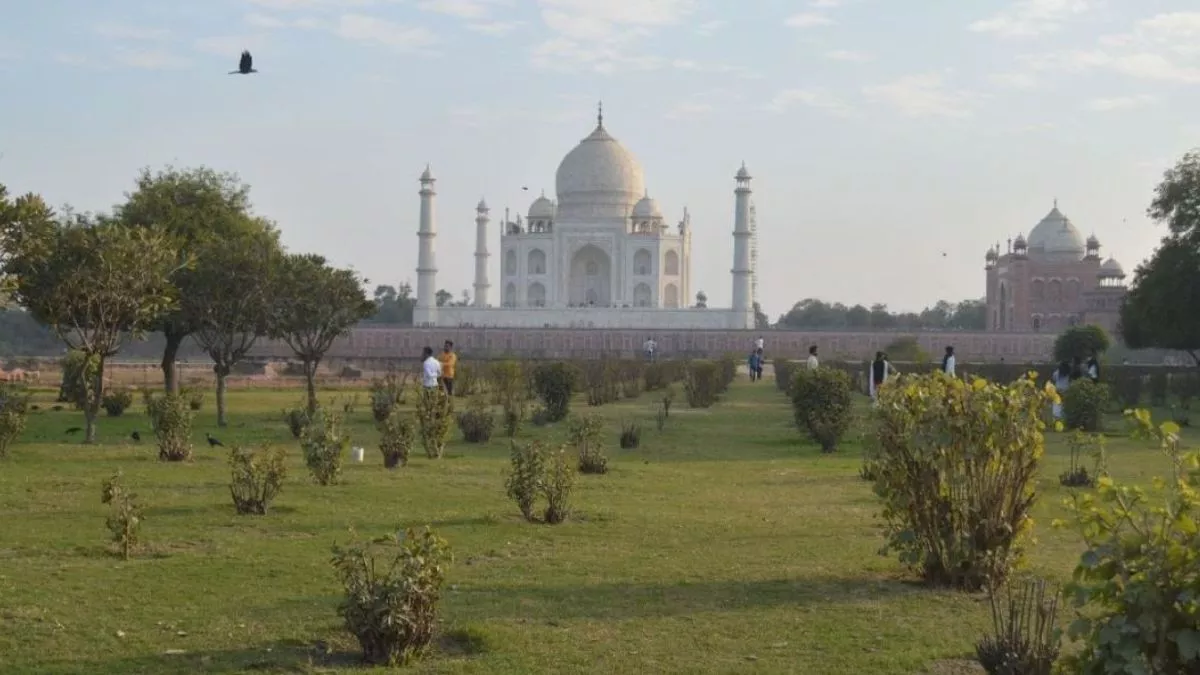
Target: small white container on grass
<point>356,454</point>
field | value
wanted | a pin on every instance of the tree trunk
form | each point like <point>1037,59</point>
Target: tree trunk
<point>310,375</point>
<point>222,373</point>
<point>170,353</point>
<point>91,408</point>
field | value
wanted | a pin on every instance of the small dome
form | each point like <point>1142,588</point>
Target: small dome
<point>646,208</point>
<point>742,173</point>
<point>991,255</point>
<point>482,206</point>
<point>1020,242</point>
<point>1112,269</point>
<point>1093,242</point>
<point>1056,237</point>
<point>426,175</point>
<point>541,208</point>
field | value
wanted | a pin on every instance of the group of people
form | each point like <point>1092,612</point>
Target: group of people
<point>756,360</point>
<point>438,371</point>
<point>1070,371</point>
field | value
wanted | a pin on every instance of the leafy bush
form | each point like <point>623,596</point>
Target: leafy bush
<point>631,436</point>
<point>78,371</point>
<point>601,381</point>
<point>702,383</point>
<point>667,399</point>
<point>536,472</point>
<point>655,376</point>
<point>822,404</point>
<point>195,398</point>
<point>554,383</point>
<point>297,420</point>
<point>557,486</point>
<point>171,420</point>
<point>540,417</point>
<point>386,394</point>
<point>1025,635</point>
<point>524,481</point>
<point>955,467</point>
<point>1080,444</point>
<point>435,410</point>
<point>116,401</point>
<point>397,434</point>
<point>125,517</point>
<point>476,421</point>
<point>1083,405</point>
<point>727,371</point>
<point>1079,342</point>
<point>14,405</point>
<point>257,477</point>
<point>585,434</point>
<point>324,445</point>
<point>1135,586</point>
<point>391,602</point>
<point>507,382</point>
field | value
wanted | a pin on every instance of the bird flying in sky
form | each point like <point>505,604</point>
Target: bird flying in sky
<point>245,65</point>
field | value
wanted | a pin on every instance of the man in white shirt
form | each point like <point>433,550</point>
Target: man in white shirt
<point>649,347</point>
<point>812,358</point>
<point>948,362</point>
<point>431,369</point>
<point>758,344</point>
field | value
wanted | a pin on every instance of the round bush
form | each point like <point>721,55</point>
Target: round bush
<point>1083,404</point>
<point>822,404</point>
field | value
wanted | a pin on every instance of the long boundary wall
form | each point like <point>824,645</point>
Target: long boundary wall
<point>405,343</point>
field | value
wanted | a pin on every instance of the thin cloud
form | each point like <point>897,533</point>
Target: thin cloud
<point>122,31</point>
<point>808,20</point>
<point>149,59</point>
<point>604,37</point>
<point>820,99</point>
<point>1031,18</point>
<point>708,28</point>
<point>923,95</point>
<point>463,9</point>
<point>848,55</point>
<point>384,33</point>
<point>1119,103</point>
<point>495,28</point>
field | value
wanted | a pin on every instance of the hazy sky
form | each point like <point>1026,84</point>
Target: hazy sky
<point>879,132</point>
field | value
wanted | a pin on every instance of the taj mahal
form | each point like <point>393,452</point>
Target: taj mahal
<point>599,256</point>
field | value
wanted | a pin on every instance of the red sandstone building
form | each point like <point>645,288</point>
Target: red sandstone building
<point>1052,280</point>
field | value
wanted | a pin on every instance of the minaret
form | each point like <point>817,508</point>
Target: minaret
<point>425,313</point>
<point>742,270</point>
<point>481,254</point>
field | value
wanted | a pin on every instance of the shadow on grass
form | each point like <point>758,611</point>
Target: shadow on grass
<point>628,601</point>
<point>285,656</point>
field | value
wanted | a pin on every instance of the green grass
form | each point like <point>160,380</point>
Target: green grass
<point>727,543</point>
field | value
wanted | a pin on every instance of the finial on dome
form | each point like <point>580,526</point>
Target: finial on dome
<point>1056,202</point>
<point>600,114</point>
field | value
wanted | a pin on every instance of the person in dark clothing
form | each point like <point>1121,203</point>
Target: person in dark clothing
<point>1093,367</point>
<point>755,365</point>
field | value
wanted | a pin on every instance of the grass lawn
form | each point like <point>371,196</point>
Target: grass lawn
<point>726,543</point>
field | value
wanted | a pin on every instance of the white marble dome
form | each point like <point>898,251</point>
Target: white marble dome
<point>599,171</point>
<point>647,208</point>
<point>541,208</point>
<point>1056,238</point>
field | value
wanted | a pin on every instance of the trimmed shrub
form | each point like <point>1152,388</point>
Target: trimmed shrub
<point>1084,403</point>
<point>631,436</point>
<point>784,372</point>
<point>585,434</point>
<point>956,466</point>
<point>386,394</point>
<point>822,405</point>
<point>1081,444</point>
<point>391,600</point>
<point>702,383</point>
<point>477,421</point>
<point>557,486</point>
<point>435,411</point>
<point>257,477</point>
<point>1135,585</point>
<point>124,521</point>
<point>171,419</point>
<point>14,406</point>
<point>655,376</point>
<point>324,444</point>
<point>397,434</point>
<point>77,372</point>
<point>553,383</point>
<point>116,401</point>
<point>195,398</point>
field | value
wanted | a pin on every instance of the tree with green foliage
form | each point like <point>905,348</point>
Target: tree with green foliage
<point>232,299</point>
<point>1159,310</point>
<point>1177,198</point>
<point>314,305</point>
<point>189,207</point>
<point>94,283</point>
<point>1080,342</point>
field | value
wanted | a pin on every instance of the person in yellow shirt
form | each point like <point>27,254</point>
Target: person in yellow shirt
<point>449,360</point>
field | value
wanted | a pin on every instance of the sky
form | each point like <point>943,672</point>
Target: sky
<point>880,133</point>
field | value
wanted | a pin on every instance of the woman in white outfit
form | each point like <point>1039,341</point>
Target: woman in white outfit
<point>1061,379</point>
